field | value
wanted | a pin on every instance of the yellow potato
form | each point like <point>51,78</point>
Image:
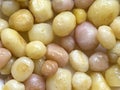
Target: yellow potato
<point>80,15</point>
<point>81,81</point>
<point>13,85</point>
<point>112,76</point>
<point>102,12</point>
<point>79,61</point>
<point>106,37</point>
<point>42,32</point>
<point>13,41</point>
<point>22,68</point>
<point>98,82</point>
<point>64,23</point>
<point>41,9</point>
<point>115,25</point>
<point>59,81</point>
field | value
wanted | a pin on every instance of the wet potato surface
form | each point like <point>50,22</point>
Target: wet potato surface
<point>59,45</point>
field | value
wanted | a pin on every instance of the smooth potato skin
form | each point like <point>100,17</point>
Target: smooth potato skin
<point>13,41</point>
<point>86,36</point>
<point>102,12</point>
<point>60,81</point>
<point>35,82</point>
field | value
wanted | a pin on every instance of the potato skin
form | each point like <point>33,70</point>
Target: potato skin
<point>102,12</point>
<point>60,81</point>
<point>13,41</point>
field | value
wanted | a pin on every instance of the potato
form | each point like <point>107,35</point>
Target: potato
<point>35,82</point>
<point>13,85</point>
<point>42,32</point>
<point>13,41</point>
<point>102,12</point>
<point>98,82</point>
<point>86,36</point>
<point>99,61</point>
<point>81,81</point>
<point>60,81</point>
<point>106,37</point>
<point>116,49</point>
<point>35,49</point>
<point>41,10</point>
<point>64,23</point>
<point>112,76</point>
<point>57,53</point>
<point>22,20</point>
<point>79,61</point>
<point>22,68</point>
<point>9,7</point>
<point>115,25</point>
<point>80,15</point>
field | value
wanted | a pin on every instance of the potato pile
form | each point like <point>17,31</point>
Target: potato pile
<point>59,45</point>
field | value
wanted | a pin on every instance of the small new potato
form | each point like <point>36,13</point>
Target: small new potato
<point>106,37</point>
<point>86,36</point>
<point>61,80</point>
<point>13,41</point>
<point>115,25</point>
<point>112,76</point>
<point>42,32</point>
<point>9,7</point>
<point>57,53</point>
<point>81,81</point>
<point>22,68</point>
<point>35,49</point>
<point>22,20</point>
<point>64,23</point>
<point>103,12</point>
<point>98,82</point>
<point>79,61</point>
<point>49,68</point>
<point>98,61</point>
<point>13,85</point>
<point>41,9</point>
<point>68,43</point>
<point>35,82</point>
<point>80,15</point>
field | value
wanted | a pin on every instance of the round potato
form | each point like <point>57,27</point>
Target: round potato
<point>59,81</point>
<point>102,12</point>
